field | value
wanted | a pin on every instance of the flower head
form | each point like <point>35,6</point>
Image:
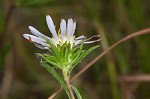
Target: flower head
<point>64,35</point>
<point>66,50</point>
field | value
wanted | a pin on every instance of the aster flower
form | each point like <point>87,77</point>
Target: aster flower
<point>66,50</point>
<point>65,35</point>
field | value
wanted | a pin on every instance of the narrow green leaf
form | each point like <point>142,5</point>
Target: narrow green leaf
<point>75,54</point>
<point>76,92</point>
<point>90,50</point>
<point>76,58</point>
<point>58,47</point>
<point>74,50</point>
<point>49,61</point>
<point>57,76</point>
<point>82,43</point>
<point>54,49</point>
<point>62,52</point>
<point>85,54</point>
<point>67,50</point>
<point>50,57</point>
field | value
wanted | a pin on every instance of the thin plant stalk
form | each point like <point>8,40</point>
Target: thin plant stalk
<point>67,80</point>
<point>131,36</point>
<point>69,88</point>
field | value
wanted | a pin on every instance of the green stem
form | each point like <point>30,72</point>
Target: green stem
<point>67,80</point>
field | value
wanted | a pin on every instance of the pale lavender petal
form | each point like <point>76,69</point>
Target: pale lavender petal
<point>80,37</point>
<point>70,27</point>
<point>39,46</point>
<point>63,27</point>
<point>51,26</point>
<point>78,42</point>
<point>45,44</point>
<point>74,27</point>
<point>34,38</point>
<point>94,36</point>
<point>46,47</point>
<point>88,42</point>
<point>37,33</point>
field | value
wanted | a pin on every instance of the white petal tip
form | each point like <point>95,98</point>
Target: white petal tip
<point>48,17</point>
<point>26,36</point>
<point>30,27</point>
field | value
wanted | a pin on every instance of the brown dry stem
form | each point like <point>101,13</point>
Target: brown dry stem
<point>130,36</point>
<point>70,89</point>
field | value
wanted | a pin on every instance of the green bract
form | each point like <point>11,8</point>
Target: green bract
<point>63,57</point>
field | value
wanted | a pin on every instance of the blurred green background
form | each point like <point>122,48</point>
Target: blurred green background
<point>22,77</point>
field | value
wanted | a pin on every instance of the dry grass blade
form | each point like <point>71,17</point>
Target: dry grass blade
<point>135,78</point>
<point>56,93</point>
<point>138,33</point>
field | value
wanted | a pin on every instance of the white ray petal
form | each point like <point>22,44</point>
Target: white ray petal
<point>80,37</point>
<point>63,27</point>
<point>39,46</point>
<point>46,47</point>
<point>94,36</point>
<point>51,26</point>
<point>74,27</point>
<point>37,33</point>
<point>45,44</point>
<point>34,38</point>
<point>78,42</point>
<point>70,27</point>
<point>88,42</point>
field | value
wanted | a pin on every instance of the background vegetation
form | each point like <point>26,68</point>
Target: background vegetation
<point>22,77</point>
